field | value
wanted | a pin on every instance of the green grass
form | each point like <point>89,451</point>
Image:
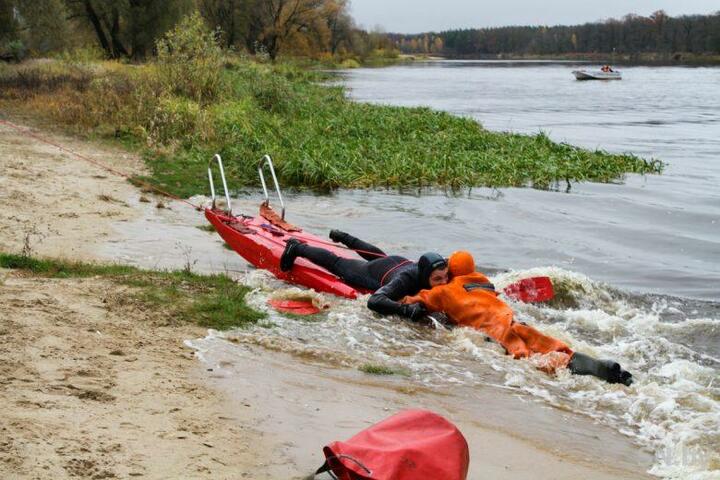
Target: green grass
<point>376,369</point>
<point>211,301</point>
<point>317,137</point>
<point>62,269</point>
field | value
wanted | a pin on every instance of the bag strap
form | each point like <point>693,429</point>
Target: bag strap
<point>326,466</point>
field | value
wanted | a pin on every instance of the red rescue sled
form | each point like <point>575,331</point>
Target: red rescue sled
<point>261,240</point>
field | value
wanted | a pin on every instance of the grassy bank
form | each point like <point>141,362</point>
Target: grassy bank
<point>211,301</point>
<point>180,111</point>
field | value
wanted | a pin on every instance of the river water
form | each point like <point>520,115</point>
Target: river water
<point>653,233</point>
<point>639,259</point>
<point>647,234</point>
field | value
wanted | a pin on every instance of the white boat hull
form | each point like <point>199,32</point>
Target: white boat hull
<point>596,75</point>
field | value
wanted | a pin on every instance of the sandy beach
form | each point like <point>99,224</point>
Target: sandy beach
<point>95,387</point>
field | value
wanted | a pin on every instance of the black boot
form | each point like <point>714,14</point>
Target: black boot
<point>337,236</point>
<point>608,370</point>
<point>289,254</point>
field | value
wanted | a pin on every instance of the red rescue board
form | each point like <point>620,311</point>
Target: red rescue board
<point>261,243</point>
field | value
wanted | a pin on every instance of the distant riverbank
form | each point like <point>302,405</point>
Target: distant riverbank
<point>649,59</point>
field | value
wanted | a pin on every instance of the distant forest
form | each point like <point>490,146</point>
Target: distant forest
<point>632,35</point>
<point>325,30</point>
<point>129,29</point>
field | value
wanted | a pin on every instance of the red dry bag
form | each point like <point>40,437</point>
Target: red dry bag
<point>412,445</point>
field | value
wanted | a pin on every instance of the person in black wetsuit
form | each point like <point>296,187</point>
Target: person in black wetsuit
<point>391,277</point>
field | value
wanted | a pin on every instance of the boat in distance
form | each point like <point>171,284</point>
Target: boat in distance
<point>597,75</point>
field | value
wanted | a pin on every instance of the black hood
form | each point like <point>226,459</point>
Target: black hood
<point>426,264</point>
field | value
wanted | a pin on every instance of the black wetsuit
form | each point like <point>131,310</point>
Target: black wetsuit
<point>367,274</point>
<point>406,280</point>
<point>390,277</point>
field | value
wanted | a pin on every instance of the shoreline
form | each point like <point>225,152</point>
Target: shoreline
<point>314,402</point>
<point>68,395</point>
<point>625,61</point>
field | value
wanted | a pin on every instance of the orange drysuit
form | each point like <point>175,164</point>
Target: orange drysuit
<point>469,305</point>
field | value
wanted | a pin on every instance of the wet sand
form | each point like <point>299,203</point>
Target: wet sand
<point>95,388</point>
<point>306,404</point>
<point>63,206</point>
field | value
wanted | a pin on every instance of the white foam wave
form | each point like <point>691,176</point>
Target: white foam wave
<point>673,407</point>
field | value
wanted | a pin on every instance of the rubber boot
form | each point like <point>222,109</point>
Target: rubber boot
<point>289,254</point>
<point>608,370</point>
<point>337,236</point>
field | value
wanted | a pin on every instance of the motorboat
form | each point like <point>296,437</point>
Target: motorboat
<point>597,75</point>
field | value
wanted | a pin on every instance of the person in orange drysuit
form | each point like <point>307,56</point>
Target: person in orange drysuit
<point>470,300</point>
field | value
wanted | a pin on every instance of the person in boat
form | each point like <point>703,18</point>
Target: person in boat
<point>470,300</point>
<point>391,277</point>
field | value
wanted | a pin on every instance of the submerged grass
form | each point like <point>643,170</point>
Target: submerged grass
<point>211,301</point>
<point>316,136</point>
<point>373,369</point>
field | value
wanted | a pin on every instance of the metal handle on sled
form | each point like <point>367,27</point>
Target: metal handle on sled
<point>212,184</point>
<point>266,160</point>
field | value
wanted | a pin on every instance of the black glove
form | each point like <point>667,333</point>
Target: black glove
<point>413,311</point>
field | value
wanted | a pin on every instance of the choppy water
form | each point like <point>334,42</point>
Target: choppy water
<point>673,408</point>
<point>639,260</point>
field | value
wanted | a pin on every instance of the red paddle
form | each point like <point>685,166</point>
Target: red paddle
<point>296,307</point>
<point>535,289</point>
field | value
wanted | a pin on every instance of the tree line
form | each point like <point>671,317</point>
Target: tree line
<point>324,28</point>
<point>130,28</point>
<point>633,34</point>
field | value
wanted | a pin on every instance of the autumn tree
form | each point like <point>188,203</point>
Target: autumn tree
<point>339,23</point>
<point>274,23</point>
<point>45,25</point>
<point>39,26</point>
<point>632,34</point>
<point>437,45</point>
<point>231,17</point>
<point>128,28</point>
<point>660,20</point>
<point>8,24</point>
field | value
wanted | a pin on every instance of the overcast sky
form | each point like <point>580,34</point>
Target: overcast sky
<point>413,16</point>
